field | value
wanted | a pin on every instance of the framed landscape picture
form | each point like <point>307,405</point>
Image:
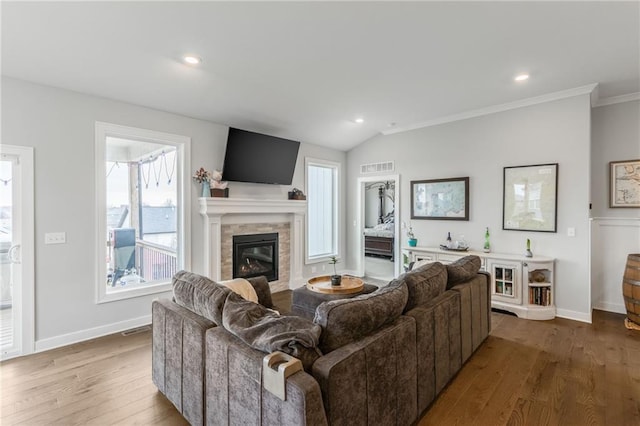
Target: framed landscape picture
<point>530,198</point>
<point>440,199</point>
<point>624,183</point>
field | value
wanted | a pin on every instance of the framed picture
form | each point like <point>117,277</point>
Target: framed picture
<point>624,183</point>
<point>441,199</point>
<point>530,198</point>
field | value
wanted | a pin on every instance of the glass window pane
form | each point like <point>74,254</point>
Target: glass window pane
<point>142,220</point>
<point>322,210</point>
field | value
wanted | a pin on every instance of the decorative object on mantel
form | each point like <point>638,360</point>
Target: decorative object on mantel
<point>624,183</point>
<point>218,188</point>
<point>335,278</point>
<point>631,291</point>
<point>203,177</point>
<point>211,183</point>
<point>413,241</point>
<point>296,194</point>
<point>487,243</point>
<point>528,253</point>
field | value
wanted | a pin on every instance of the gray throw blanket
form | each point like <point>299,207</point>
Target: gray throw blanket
<point>267,331</point>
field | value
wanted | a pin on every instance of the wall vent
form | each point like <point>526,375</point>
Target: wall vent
<point>386,166</point>
<point>136,330</point>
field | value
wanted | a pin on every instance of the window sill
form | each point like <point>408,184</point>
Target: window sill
<point>117,294</point>
<point>323,259</point>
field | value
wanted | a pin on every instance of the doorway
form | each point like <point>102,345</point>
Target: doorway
<point>378,227</point>
<point>16,251</point>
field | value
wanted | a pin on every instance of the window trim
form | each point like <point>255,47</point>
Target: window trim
<point>309,161</point>
<point>183,152</point>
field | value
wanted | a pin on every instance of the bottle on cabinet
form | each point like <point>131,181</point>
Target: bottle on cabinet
<point>487,243</point>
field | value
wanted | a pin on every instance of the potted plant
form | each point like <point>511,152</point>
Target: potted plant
<point>335,278</point>
<point>412,239</point>
<point>528,253</point>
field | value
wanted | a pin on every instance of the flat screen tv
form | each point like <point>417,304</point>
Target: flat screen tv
<point>257,158</point>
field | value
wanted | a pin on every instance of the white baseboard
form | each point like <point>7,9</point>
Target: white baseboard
<point>90,333</point>
<point>574,315</point>
<point>618,308</point>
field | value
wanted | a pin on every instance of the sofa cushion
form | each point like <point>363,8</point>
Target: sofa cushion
<point>267,331</point>
<point>462,270</point>
<point>200,295</point>
<point>348,320</point>
<point>424,284</point>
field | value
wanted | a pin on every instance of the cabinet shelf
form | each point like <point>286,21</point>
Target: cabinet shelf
<point>522,285</point>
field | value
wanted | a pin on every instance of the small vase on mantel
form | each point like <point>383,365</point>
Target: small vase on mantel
<point>206,189</point>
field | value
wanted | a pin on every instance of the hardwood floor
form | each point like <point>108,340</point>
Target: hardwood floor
<point>557,372</point>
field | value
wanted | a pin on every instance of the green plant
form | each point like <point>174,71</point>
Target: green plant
<point>332,261</point>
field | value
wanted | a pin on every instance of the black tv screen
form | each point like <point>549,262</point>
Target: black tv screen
<point>257,158</point>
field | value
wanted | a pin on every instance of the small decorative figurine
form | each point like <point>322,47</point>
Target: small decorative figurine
<point>528,252</point>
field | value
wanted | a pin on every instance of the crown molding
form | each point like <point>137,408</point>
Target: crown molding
<point>582,90</point>
<point>629,97</point>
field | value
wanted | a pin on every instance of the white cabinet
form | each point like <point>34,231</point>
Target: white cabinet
<point>505,281</point>
<point>522,285</point>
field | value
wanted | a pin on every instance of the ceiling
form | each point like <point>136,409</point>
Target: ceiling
<point>307,70</point>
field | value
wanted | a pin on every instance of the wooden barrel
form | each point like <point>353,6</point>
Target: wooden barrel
<point>631,287</point>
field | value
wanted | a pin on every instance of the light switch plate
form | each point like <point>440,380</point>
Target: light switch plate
<point>55,238</point>
<point>571,232</point>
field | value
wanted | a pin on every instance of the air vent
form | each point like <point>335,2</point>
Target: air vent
<point>136,330</point>
<point>386,166</point>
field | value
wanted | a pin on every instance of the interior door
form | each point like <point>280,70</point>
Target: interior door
<point>16,251</point>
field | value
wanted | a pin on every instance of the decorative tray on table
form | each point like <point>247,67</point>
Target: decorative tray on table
<point>443,247</point>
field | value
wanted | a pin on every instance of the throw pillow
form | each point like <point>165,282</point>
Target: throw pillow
<point>462,270</point>
<point>425,283</point>
<point>242,287</point>
<point>348,320</point>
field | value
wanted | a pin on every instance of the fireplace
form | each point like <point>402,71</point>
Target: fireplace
<point>255,255</point>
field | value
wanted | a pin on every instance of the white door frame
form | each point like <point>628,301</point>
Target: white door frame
<point>25,294</point>
<point>360,222</point>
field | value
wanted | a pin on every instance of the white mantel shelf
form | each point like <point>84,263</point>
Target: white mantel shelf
<point>221,206</point>
<point>216,210</point>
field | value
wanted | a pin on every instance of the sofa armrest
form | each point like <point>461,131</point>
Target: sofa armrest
<point>178,357</point>
<point>377,373</point>
<point>261,286</point>
<point>234,391</point>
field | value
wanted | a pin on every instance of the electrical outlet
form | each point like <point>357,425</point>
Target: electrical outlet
<point>313,269</point>
<point>55,238</point>
<point>323,266</point>
<point>571,232</point>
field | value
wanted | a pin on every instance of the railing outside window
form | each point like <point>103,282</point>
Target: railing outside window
<point>155,262</point>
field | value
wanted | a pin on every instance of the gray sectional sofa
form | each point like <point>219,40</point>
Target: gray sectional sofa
<point>376,359</point>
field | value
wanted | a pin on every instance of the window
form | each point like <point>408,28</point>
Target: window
<point>141,200</point>
<point>322,205</point>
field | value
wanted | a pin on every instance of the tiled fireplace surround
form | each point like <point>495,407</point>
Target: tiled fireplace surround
<point>226,217</point>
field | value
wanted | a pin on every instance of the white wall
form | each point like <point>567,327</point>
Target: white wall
<point>59,124</point>
<point>554,132</point>
<point>615,136</point>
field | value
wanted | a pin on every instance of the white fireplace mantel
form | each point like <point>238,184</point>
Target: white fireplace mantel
<point>216,210</point>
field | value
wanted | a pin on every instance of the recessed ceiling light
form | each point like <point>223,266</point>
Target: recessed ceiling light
<point>521,77</point>
<point>359,120</point>
<point>191,60</point>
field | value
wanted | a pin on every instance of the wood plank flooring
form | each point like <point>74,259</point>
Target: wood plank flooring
<point>557,372</point>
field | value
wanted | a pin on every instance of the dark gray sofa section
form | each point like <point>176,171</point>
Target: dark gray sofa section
<point>382,358</point>
<point>178,348</point>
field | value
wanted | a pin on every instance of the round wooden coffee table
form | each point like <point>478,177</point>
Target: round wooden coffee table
<point>348,285</point>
